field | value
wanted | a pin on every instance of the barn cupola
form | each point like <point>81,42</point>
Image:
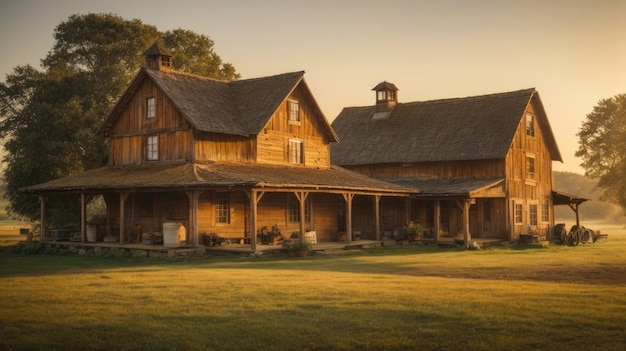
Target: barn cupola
<point>386,99</point>
<point>158,57</point>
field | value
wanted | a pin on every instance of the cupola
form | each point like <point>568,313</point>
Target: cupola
<point>158,57</point>
<point>386,99</point>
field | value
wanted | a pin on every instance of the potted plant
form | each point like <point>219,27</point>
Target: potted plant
<point>414,231</point>
<point>300,247</point>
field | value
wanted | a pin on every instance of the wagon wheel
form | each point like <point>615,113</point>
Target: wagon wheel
<point>586,236</point>
<point>561,232</point>
<point>573,238</point>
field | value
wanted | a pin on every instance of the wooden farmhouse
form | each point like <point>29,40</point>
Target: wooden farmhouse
<point>222,159</point>
<point>482,164</point>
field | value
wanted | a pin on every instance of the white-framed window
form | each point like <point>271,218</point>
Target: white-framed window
<point>152,147</point>
<point>545,212</point>
<point>530,125</point>
<point>530,167</point>
<point>296,151</point>
<point>532,214</point>
<point>222,207</point>
<point>518,209</point>
<point>293,107</point>
<point>294,210</point>
<point>150,107</point>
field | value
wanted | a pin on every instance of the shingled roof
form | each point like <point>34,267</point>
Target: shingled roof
<point>471,128</point>
<point>191,175</point>
<point>240,107</point>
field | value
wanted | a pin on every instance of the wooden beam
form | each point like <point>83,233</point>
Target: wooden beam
<point>437,219</point>
<point>123,197</point>
<point>467,236</point>
<point>348,197</point>
<point>193,236</point>
<point>302,196</point>
<point>377,216</point>
<point>83,214</point>
<point>42,219</point>
<point>253,215</point>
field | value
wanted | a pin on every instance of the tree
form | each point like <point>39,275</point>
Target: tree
<point>48,118</point>
<point>602,147</point>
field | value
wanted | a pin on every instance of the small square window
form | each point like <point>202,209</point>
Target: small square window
<point>294,111</point>
<point>150,107</point>
<point>152,148</point>
<point>296,154</point>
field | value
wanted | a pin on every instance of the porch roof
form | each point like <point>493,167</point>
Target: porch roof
<point>434,187</point>
<point>197,175</point>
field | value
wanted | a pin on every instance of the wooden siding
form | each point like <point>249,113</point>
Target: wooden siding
<point>521,187</point>
<point>222,147</point>
<point>478,169</point>
<point>128,134</point>
<point>273,141</point>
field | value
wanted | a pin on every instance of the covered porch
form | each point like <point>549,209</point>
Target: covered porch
<point>233,202</point>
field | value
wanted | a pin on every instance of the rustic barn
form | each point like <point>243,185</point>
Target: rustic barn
<point>482,164</point>
<point>222,159</point>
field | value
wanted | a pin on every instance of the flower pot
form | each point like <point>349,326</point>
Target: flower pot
<point>301,253</point>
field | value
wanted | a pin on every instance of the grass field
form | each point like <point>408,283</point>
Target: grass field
<point>391,298</point>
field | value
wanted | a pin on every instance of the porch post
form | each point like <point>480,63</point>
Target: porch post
<point>83,213</point>
<point>377,216</point>
<point>467,236</point>
<point>437,219</point>
<point>348,197</point>
<point>253,215</point>
<point>302,196</point>
<point>43,237</point>
<point>123,197</point>
<point>193,236</point>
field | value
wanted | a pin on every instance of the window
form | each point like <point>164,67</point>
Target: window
<point>530,125</point>
<point>519,219</point>
<point>150,107</point>
<point>294,111</point>
<point>152,153</point>
<point>530,167</point>
<point>532,213</point>
<point>296,155</point>
<point>545,212</point>
<point>222,208</point>
<point>294,210</point>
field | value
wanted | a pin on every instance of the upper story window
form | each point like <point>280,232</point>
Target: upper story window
<point>530,167</point>
<point>150,107</point>
<point>296,151</point>
<point>294,111</point>
<point>152,148</point>
<point>530,125</point>
<point>385,95</point>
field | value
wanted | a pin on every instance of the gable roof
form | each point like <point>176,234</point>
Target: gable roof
<point>239,107</point>
<point>471,128</point>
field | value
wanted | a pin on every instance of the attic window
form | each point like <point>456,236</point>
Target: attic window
<point>294,111</point>
<point>530,125</point>
<point>150,107</point>
<point>165,61</point>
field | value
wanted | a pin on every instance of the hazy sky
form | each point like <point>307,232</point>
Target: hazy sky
<point>573,52</point>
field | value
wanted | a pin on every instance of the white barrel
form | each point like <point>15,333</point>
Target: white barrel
<point>174,234</point>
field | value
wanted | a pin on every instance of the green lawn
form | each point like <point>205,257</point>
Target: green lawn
<point>392,298</point>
